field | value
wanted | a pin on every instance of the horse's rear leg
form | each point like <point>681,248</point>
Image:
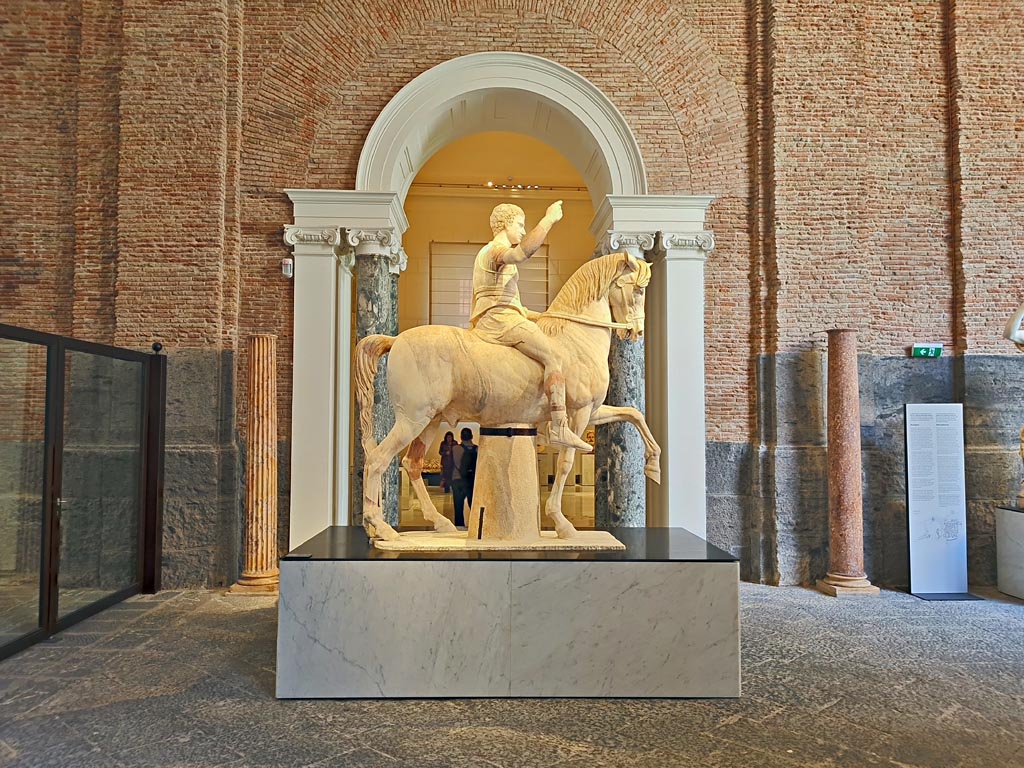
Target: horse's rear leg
<point>377,462</point>
<point>413,463</point>
<point>563,528</point>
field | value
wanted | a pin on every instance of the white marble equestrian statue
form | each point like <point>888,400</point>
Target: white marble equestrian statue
<point>441,373</point>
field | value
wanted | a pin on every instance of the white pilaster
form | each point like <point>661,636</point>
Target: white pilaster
<point>321,358</point>
<point>674,343</point>
<point>677,391</point>
<point>313,386</point>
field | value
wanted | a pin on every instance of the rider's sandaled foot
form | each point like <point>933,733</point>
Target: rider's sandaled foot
<point>563,436</point>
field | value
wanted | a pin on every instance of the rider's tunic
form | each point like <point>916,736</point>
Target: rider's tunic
<point>498,314</point>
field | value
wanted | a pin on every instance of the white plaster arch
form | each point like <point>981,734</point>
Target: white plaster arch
<point>502,91</point>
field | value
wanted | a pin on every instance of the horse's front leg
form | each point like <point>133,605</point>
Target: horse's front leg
<point>608,414</point>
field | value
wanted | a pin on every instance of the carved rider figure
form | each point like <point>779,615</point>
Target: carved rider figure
<point>498,314</point>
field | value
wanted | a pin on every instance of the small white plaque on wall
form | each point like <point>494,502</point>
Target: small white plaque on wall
<point>936,501</point>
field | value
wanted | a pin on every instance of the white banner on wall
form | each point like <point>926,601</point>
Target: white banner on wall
<point>936,501</point>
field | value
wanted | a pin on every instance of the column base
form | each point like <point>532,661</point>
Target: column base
<point>836,585</point>
<point>255,585</point>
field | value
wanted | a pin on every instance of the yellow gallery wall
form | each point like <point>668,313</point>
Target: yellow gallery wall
<point>449,202</point>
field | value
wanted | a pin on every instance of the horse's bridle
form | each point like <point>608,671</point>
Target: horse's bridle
<point>588,321</point>
<point>636,322</point>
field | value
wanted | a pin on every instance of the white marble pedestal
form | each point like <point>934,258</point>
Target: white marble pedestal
<point>660,619</point>
<point>1010,550</point>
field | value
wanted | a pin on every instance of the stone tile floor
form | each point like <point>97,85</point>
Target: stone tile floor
<point>187,679</point>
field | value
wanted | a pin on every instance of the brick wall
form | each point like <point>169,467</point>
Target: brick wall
<point>989,92</point>
<point>39,74</point>
<point>866,160</point>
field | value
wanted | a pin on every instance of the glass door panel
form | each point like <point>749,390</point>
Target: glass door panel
<point>101,479</point>
<point>22,489</point>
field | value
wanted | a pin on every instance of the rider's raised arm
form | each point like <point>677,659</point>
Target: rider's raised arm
<point>535,239</point>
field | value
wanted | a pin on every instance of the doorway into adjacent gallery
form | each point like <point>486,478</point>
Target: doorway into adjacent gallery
<point>448,206</point>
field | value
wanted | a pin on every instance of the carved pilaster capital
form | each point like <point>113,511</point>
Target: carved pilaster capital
<point>685,245</point>
<point>373,242</point>
<point>346,256</point>
<point>636,243</point>
<point>397,261</point>
<point>295,234</point>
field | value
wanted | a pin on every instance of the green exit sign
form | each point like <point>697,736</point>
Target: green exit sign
<point>926,350</point>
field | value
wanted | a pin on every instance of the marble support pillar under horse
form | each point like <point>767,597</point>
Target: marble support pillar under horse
<point>620,488</point>
<point>379,259</point>
<point>506,485</point>
<point>259,571</point>
<point>846,574</point>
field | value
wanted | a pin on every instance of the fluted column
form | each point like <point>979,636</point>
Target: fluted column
<point>259,571</point>
<point>379,259</point>
<point>620,488</point>
<point>846,573</point>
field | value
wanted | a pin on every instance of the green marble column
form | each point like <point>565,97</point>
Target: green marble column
<point>376,312</point>
<point>620,488</point>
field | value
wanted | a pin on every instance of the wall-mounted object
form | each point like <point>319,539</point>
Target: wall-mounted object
<point>926,350</point>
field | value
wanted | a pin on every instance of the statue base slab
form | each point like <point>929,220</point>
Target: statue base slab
<point>431,541</point>
<point>657,619</point>
<point>1010,550</point>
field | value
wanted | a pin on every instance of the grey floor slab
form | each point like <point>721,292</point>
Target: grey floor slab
<point>187,679</point>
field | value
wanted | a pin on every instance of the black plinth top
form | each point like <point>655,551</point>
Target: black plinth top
<point>654,545</point>
<point>1009,508</point>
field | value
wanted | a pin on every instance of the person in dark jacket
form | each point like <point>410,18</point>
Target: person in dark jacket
<point>463,473</point>
<point>446,461</point>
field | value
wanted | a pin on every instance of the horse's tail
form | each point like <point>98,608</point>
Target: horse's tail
<point>368,354</point>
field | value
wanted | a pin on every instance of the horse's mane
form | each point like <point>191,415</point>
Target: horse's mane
<point>588,283</point>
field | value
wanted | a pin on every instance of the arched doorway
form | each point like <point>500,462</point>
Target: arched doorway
<point>333,229</point>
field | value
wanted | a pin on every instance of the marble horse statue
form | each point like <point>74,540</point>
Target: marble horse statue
<point>438,372</point>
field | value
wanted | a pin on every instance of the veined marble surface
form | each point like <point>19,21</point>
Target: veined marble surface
<point>460,628</point>
<point>625,629</point>
<point>393,629</point>
<point>1010,552</point>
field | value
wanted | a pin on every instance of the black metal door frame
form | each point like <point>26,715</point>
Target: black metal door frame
<point>151,485</point>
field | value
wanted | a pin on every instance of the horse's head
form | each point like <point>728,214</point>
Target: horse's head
<point>626,296</point>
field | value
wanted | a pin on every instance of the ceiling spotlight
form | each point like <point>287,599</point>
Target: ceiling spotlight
<point>490,183</point>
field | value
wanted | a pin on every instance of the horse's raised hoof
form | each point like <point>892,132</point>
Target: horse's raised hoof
<point>566,530</point>
<point>443,525</point>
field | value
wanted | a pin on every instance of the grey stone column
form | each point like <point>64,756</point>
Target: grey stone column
<point>620,488</point>
<point>378,258</point>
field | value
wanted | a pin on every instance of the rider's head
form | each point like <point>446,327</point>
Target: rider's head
<point>510,219</point>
